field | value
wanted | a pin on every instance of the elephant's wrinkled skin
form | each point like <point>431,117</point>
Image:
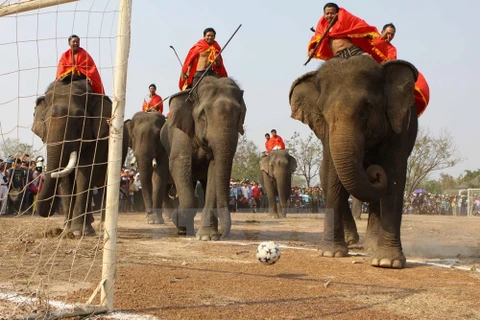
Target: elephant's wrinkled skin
<point>144,132</point>
<point>71,119</point>
<point>201,136</point>
<point>365,115</point>
<point>276,178</point>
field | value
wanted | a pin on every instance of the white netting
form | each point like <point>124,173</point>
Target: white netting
<point>38,263</point>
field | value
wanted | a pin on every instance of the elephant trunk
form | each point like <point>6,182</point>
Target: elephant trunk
<point>145,169</point>
<point>45,198</point>
<point>347,150</point>
<point>284,184</point>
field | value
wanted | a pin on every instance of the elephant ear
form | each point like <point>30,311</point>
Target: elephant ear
<point>39,121</point>
<point>400,78</point>
<point>241,118</point>
<point>304,96</point>
<point>265,165</point>
<point>181,111</point>
<point>292,163</point>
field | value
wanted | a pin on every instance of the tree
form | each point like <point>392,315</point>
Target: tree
<point>246,163</point>
<point>430,154</point>
<point>15,148</point>
<point>308,153</point>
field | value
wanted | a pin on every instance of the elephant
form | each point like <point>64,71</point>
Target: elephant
<point>365,115</point>
<point>144,133</point>
<point>201,136</point>
<point>73,123</point>
<point>275,175</point>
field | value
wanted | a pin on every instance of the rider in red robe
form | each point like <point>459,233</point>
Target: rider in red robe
<point>152,102</point>
<point>200,56</point>
<point>356,31</point>
<point>77,61</point>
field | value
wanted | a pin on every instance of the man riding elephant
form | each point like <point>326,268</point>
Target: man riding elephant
<point>198,59</point>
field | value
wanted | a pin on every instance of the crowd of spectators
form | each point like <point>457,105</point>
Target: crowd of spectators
<point>440,204</point>
<point>20,180</point>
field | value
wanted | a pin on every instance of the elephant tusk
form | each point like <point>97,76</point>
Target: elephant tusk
<point>133,161</point>
<point>154,163</point>
<point>69,168</point>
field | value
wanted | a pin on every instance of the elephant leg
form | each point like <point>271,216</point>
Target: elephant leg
<point>82,218</point>
<point>389,253</point>
<point>371,236</point>
<point>159,185</point>
<point>333,242</point>
<point>350,228</point>
<point>67,201</point>
<point>209,223</point>
<point>184,215</point>
<point>272,205</point>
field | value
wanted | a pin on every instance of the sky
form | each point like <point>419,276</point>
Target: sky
<point>265,56</point>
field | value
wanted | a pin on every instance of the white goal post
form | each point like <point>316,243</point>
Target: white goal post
<point>43,34</point>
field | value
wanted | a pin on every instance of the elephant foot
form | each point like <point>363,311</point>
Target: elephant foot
<point>154,218</point>
<point>89,231</point>
<point>333,250</point>
<point>273,215</point>
<point>351,238</point>
<point>370,244</point>
<point>208,234</point>
<point>388,259</point>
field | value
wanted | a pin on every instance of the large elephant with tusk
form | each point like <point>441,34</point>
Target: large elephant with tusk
<point>152,160</point>
<point>73,123</point>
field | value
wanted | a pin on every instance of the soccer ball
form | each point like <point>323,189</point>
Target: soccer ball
<point>268,252</point>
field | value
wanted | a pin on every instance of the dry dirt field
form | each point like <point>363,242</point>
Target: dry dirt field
<point>162,276</point>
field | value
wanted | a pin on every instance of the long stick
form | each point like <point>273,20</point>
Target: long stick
<point>321,39</point>
<point>178,58</point>
<point>211,64</point>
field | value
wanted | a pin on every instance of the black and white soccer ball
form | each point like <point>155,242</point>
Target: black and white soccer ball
<point>268,252</point>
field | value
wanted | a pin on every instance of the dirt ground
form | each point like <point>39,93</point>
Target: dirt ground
<point>168,277</point>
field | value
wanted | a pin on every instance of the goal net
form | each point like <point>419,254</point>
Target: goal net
<point>48,264</point>
<point>473,202</point>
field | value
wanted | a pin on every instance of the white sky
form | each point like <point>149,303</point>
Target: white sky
<point>265,57</point>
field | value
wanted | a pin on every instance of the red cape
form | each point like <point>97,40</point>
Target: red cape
<point>385,46</point>
<point>347,26</point>
<point>422,94</point>
<point>192,56</point>
<point>85,66</point>
<point>155,103</point>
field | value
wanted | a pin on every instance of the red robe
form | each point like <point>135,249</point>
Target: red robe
<point>422,94</point>
<point>192,56</point>
<point>347,26</point>
<point>84,65</point>
<point>155,103</point>
<point>275,142</point>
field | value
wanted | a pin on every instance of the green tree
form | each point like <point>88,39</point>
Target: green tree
<point>430,154</point>
<point>469,178</point>
<point>16,148</point>
<point>246,163</point>
<point>308,153</point>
